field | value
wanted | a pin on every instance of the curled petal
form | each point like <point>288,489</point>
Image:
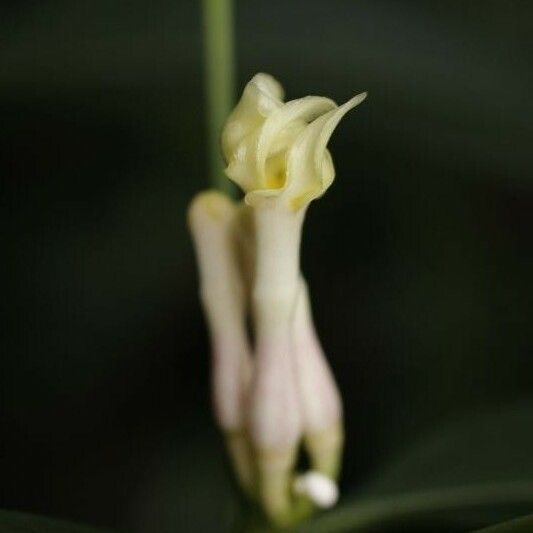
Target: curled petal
<point>262,95</point>
<point>258,163</point>
<point>310,168</point>
<point>274,137</point>
<point>276,150</point>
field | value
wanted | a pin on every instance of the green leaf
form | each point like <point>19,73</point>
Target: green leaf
<point>470,473</point>
<point>481,447</point>
<point>189,487</point>
<point>15,522</point>
<point>518,525</point>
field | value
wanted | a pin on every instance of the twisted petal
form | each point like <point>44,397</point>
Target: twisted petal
<point>310,169</point>
<point>258,163</point>
<point>262,95</point>
<point>276,131</point>
<point>278,150</point>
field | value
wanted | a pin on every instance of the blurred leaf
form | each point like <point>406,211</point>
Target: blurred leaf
<point>187,486</point>
<point>519,525</point>
<point>468,474</point>
<point>15,522</point>
<point>481,447</point>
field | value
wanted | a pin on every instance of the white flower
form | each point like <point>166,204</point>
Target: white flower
<point>277,150</point>
<point>277,153</point>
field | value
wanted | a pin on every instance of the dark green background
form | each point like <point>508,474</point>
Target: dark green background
<point>419,257</point>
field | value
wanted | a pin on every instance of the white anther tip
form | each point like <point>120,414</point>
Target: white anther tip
<point>320,489</point>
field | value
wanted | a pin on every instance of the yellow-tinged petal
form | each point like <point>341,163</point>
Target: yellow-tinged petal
<point>310,169</point>
<point>277,150</point>
<point>258,163</point>
<point>296,112</point>
<point>262,95</point>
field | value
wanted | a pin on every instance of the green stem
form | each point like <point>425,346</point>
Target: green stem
<point>219,80</point>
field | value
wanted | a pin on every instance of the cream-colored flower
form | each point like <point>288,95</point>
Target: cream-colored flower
<point>278,150</point>
<point>277,153</point>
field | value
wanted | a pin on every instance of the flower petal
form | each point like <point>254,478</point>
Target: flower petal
<point>262,95</point>
<point>310,168</point>
<point>303,109</point>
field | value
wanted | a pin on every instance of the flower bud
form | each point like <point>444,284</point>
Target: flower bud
<point>212,223</point>
<point>320,489</point>
<point>320,400</point>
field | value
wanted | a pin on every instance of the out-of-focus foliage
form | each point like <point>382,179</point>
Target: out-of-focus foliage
<point>517,525</point>
<point>466,474</point>
<point>14,522</point>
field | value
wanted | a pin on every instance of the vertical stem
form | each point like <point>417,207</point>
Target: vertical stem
<point>219,80</point>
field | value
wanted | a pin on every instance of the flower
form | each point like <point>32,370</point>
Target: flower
<point>277,150</point>
<point>286,396</point>
<point>212,219</point>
